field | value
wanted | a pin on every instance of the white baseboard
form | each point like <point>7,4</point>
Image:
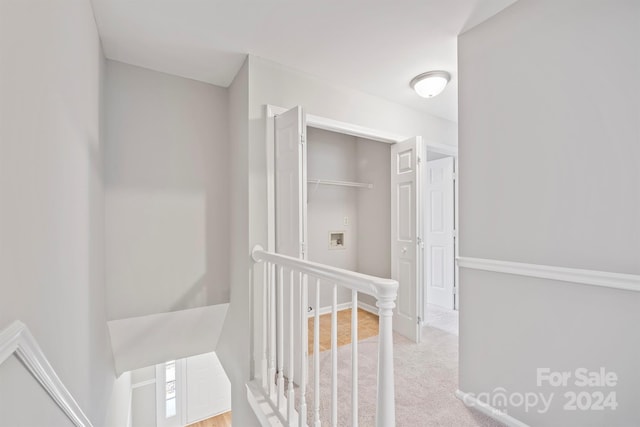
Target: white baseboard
<point>368,307</point>
<point>265,412</point>
<point>327,309</point>
<point>490,411</point>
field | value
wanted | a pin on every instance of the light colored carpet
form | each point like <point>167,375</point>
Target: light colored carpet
<point>442,318</point>
<point>426,378</point>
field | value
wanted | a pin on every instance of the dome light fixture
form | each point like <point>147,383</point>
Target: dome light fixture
<point>431,83</point>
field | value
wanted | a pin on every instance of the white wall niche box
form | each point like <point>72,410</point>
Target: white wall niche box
<point>336,240</point>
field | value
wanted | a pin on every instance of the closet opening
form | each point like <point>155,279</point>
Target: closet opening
<point>348,220</point>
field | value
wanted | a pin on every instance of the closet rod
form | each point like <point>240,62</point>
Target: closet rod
<point>339,183</point>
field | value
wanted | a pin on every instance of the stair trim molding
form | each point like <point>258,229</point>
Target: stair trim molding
<point>627,282</point>
<point>473,402</point>
<point>17,339</point>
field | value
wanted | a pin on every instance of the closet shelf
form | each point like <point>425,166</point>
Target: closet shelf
<point>339,183</point>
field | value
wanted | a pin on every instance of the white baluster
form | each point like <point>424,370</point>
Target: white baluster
<point>265,289</point>
<point>304,350</point>
<point>272,333</point>
<point>280,336</point>
<point>354,358</point>
<point>290,391</point>
<point>386,412</point>
<point>316,357</point>
<point>334,357</point>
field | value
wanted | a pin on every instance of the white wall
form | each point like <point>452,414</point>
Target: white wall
<point>119,409</point>
<point>233,351</point>
<point>17,387</point>
<point>148,340</point>
<point>549,154</point>
<point>332,156</point>
<point>258,83</point>
<point>202,387</point>
<point>336,156</point>
<point>167,193</point>
<point>143,397</point>
<point>51,194</point>
<point>374,211</point>
<point>143,406</point>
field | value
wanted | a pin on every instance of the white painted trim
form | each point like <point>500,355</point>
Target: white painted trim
<point>266,413</point>
<point>436,147</point>
<point>130,408</point>
<point>627,282</point>
<point>17,339</point>
<point>271,198</point>
<point>327,309</point>
<point>143,384</point>
<point>344,127</point>
<point>376,286</point>
<point>367,307</point>
<point>472,402</point>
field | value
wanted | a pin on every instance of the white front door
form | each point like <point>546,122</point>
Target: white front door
<point>291,215</point>
<point>405,242</point>
<point>208,388</point>
<point>439,254</point>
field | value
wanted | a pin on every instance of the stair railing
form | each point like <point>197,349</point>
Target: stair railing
<point>285,285</point>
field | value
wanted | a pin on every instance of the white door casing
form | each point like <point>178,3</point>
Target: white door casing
<point>405,242</point>
<point>439,253</point>
<point>291,213</point>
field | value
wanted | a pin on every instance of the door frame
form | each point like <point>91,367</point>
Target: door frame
<point>450,151</point>
<point>181,394</point>
<point>316,122</point>
<point>332,125</point>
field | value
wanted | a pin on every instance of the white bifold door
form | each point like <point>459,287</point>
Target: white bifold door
<point>439,253</point>
<point>291,217</point>
<point>405,239</point>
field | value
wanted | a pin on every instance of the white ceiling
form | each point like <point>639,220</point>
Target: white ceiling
<point>375,46</point>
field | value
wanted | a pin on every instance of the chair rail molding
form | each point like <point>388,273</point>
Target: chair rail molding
<point>627,282</point>
<point>17,339</point>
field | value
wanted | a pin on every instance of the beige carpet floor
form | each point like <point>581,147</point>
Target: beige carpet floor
<point>426,378</point>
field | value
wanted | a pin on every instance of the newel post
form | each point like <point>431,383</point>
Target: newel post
<point>386,407</point>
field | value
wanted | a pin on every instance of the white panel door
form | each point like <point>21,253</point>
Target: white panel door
<point>405,262</point>
<point>290,182</point>
<point>208,388</point>
<point>291,214</point>
<point>439,252</point>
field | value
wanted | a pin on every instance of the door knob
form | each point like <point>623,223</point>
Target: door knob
<point>404,250</point>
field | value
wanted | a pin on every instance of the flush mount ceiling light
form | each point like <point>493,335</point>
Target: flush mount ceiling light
<point>431,83</point>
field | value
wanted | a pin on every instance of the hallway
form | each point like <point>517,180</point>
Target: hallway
<point>426,374</point>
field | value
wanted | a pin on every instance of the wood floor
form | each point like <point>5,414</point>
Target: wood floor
<point>367,327</point>
<point>222,420</point>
